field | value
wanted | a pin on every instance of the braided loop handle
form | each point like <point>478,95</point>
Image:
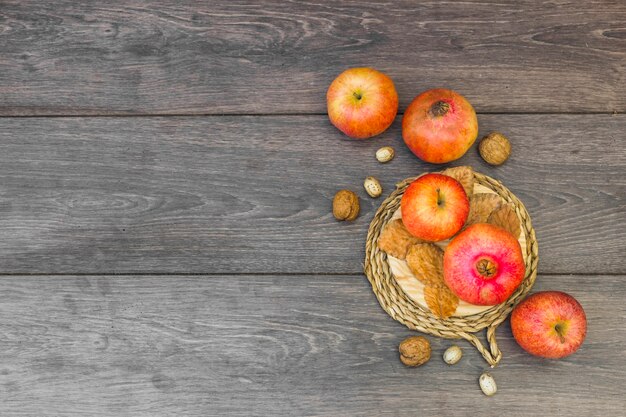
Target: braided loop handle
<point>491,355</point>
<point>402,308</point>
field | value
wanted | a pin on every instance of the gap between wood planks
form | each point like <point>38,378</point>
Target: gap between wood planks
<point>241,274</point>
<point>128,115</point>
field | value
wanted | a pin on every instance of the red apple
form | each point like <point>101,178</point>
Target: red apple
<point>439,126</point>
<point>550,324</point>
<point>483,265</point>
<point>362,102</point>
<point>434,207</point>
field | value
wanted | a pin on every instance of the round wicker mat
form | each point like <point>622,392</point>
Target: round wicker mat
<point>403,309</point>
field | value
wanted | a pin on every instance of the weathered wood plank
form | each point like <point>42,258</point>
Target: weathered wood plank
<point>253,194</point>
<point>186,56</point>
<point>279,346</point>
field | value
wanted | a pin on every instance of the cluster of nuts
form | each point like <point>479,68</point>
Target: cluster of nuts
<point>494,148</point>
<point>416,351</point>
<point>346,203</point>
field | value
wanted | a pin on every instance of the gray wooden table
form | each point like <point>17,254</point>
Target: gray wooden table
<point>166,171</point>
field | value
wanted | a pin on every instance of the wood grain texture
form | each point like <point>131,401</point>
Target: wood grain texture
<point>179,57</point>
<point>253,194</point>
<point>279,346</point>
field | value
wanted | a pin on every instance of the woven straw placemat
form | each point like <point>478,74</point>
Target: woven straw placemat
<point>403,309</point>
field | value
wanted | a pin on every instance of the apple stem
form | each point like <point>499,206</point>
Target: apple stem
<point>439,198</point>
<point>357,95</point>
<point>439,109</point>
<point>559,328</point>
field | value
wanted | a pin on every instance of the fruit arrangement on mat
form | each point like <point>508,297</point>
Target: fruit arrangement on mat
<point>484,262</point>
<point>451,252</point>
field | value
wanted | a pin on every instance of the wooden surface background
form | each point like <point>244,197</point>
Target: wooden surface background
<point>166,174</point>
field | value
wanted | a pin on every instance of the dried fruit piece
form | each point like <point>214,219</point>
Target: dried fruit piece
<point>395,240</point>
<point>346,205</point>
<point>481,206</point>
<point>506,218</point>
<point>426,262</point>
<point>495,148</point>
<point>464,175</point>
<point>414,351</point>
<point>441,301</point>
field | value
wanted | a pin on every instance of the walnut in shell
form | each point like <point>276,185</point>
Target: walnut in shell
<point>495,148</point>
<point>506,218</point>
<point>346,205</point>
<point>414,351</point>
<point>395,239</point>
<point>464,175</point>
<point>425,260</point>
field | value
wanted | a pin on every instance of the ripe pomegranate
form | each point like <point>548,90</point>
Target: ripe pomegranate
<point>439,126</point>
<point>483,265</point>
